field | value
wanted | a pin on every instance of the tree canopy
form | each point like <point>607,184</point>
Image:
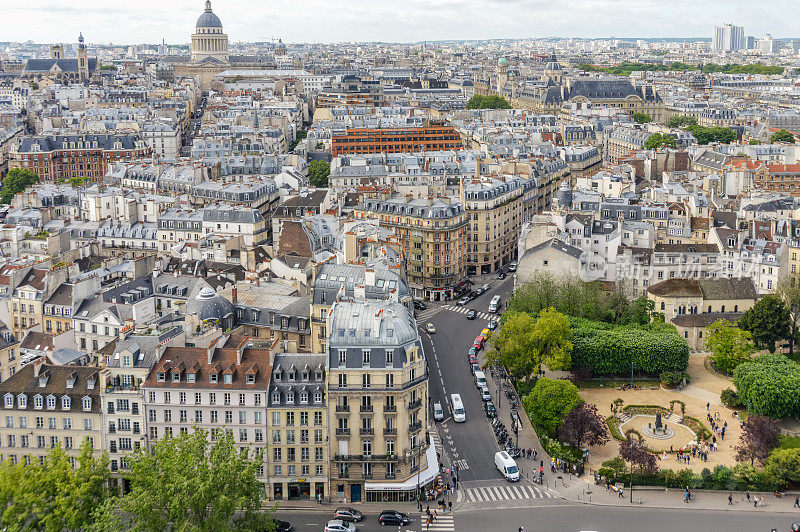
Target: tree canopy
<point>52,495</point>
<point>189,483</point>
<point>318,172</point>
<point>492,101</point>
<point>706,135</point>
<point>583,425</point>
<point>627,67</point>
<point>641,118</point>
<point>550,401</point>
<point>760,436</point>
<point>729,345</point>
<point>16,181</point>
<point>782,136</point>
<point>659,140</point>
<point>789,291</point>
<point>768,386</point>
<point>768,321</point>
<point>681,121</point>
<point>783,466</point>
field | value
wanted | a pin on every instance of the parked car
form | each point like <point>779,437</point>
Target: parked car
<point>337,525</point>
<point>438,413</point>
<point>345,513</point>
<point>474,367</point>
<point>282,526</point>
<point>492,325</point>
<point>472,314</point>
<point>393,517</point>
<point>473,359</point>
<point>485,395</point>
<point>419,305</point>
<point>486,287</point>
<point>478,343</point>
<point>489,409</point>
<point>513,266</point>
<point>501,275</point>
<point>479,291</point>
<point>430,328</point>
<point>463,301</point>
<point>485,333</point>
<point>472,295</point>
<point>472,351</point>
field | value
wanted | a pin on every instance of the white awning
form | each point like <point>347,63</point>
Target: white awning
<point>421,478</point>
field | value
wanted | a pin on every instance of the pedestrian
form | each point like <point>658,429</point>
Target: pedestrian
<point>708,407</point>
<point>620,494</point>
<point>419,505</point>
<point>730,499</point>
<point>428,510</point>
<point>748,496</point>
<point>450,505</point>
<point>521,529</point>
<point>686,497</point>
<point>797,502</point>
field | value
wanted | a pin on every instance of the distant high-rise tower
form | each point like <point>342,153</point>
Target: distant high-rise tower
<point>728,38</point>
<point>83,60</point>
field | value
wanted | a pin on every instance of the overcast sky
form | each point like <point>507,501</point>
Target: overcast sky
<point>150,21</point>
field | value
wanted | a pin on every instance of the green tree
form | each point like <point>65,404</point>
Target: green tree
<point>754,142</point>
<point>318,172</point>
<point>705,135</point>
<point>783,466</point>
<point>525,342</point>
<point>488,102</point>
<point>658,140</point>
<point>550,401</point>
<point>729,345</point>
<point>641,118</point>
<point>53,496</point>
<point>768,386</point>
<point>782,136</point>
<point>768,321</point>
<point>681,121</point>
<point>189,483</point>
<point>16,181</point>
<point>789,291</point>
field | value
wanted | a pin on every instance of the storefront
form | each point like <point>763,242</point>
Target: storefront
<point>299,490</point>
<point>408,490</point>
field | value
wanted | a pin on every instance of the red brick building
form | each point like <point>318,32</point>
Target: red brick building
<point>431,137</point>
<point>783,178</point>
<point>64,156</point>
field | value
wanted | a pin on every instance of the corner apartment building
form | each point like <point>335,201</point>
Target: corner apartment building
<point>46,405</point>
<point>297,411</point>
<point>495,210</point>
<point>432,237</point>
<point>55,157</point>
<point>377,403</point>
<point>10,361</point>
<point>221,387</point>
<point>434,136</point>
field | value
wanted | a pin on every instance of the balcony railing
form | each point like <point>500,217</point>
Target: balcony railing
<point>415,426</point>
<point>365,458</point>
<point>366,432</point>
<point>342,408</point>
<point>366,408</point>
<point>390,408</point>
<point>389,431</point>
<point>415,404</point>
<point>342,432</point>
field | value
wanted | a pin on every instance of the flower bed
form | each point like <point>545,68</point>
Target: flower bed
<point>693,424</point>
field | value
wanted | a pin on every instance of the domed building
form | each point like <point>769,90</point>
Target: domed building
<point>209,308</point>
<point>209,43</point>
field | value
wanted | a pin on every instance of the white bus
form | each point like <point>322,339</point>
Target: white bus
<point>459,414</point>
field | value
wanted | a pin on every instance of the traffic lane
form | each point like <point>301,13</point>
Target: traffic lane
<point>314,521</point>
<point>577,518</point>
<point>470,445</point>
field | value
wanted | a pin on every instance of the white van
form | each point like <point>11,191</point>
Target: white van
<point>507,466</point>
<point>494,304</point>
<point>480,379</point>
<point>459,414</point>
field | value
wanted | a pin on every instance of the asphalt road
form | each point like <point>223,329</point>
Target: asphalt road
<point>315,521</point>
<point>471,445</point>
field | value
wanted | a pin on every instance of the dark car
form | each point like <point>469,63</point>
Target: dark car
<point>345,513</point>
<point>393,517</point>
<point>282,526</point>
<point>419,305</point>
<point>472,295</point>
<point>489,409</point>
<point>501,275</point>
<point>471,314</point>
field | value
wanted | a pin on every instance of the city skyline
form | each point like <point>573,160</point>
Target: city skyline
<point>333,21</point>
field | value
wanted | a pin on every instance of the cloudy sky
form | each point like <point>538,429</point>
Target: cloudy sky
<point>150,21</point>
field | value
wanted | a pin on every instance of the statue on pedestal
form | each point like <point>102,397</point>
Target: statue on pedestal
<point>659,427</point>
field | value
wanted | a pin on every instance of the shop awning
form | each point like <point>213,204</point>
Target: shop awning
<point>425,476</point>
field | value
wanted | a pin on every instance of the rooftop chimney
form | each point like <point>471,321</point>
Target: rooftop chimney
<point>234,295</point>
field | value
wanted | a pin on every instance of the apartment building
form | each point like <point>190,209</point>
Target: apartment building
<point>297,446</point>
<point>10,356</point>
<point>624,140</point>
<point>47,405</point>
<point>432,237</point>
<point>26,302</point>
<point>434,136</point>
<point>377,403</point>
<point>782,178</point>
<point>55,157</point>
<point>221,387</point>
<point>495,212</point>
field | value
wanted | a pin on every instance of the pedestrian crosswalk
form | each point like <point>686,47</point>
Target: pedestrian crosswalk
<point>437,442</point>
<point>463,310</point>
<point>427,314</point>
<point>444,522</point>
<point>504,493</point>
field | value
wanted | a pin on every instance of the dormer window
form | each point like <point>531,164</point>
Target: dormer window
<point>160,376</point>
<point>51,402</point>
<point>38,402</point>
<point>43,380</point>
<point>213,378</point>
<point>290,398</point>
<point>276,397</point>
<point>292,376</point>
<point>317,397</point>
<point>251,379</point>
<point>86,402</point>
<point>317,375</point>
<point>90,384</point>
<point>22,401</point>
<point>303,398</point>
<point>191,377</point>
<point>66,403</point>
<point>304,375</point>
<point>227,378</point>
<point>9,400</point>
<point>276,376</point>
<point>176,377</point>
<point>71,381</point>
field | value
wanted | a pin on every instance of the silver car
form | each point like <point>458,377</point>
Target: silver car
<point>438,412</point>
<point>485,395</point>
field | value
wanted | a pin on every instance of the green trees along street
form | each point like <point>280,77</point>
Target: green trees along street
<point>16,181</point>
<point>659,140</point>
<point>550,401</point>
<point>729,345</point>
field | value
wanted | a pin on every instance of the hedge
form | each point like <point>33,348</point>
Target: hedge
<point>608,349</point>
<point>739,478</point>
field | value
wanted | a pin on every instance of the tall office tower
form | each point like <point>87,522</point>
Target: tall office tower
<point>728,38</point>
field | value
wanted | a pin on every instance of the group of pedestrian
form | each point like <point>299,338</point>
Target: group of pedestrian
<point>683,457</point>
<point>529,453</point>
<point>718,428</point>
<point>687,496</point>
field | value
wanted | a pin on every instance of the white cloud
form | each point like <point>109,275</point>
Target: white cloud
<point>390,20</point>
